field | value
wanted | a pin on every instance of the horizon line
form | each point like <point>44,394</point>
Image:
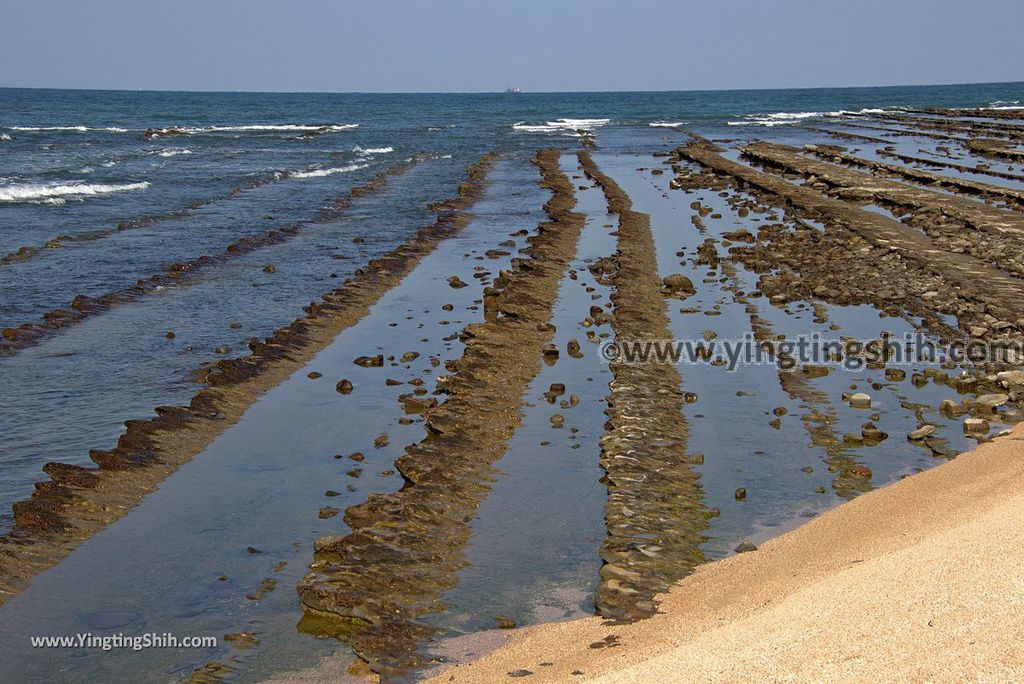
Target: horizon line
<point>503,92</point>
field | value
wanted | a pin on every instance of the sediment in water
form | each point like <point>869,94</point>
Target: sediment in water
<point>654,514</point>
<point>373,585</point>
<point>78,501</point>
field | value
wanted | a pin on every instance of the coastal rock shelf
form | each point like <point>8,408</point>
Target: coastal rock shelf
<point>655,515</point>
<point>78,501</point>
<point>372,585</point>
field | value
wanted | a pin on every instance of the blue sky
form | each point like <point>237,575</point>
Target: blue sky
<point>486,45</point>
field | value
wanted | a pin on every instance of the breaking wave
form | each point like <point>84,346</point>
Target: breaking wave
<point>666,124</point>
<point>173,151</point>
<point>373,150</point>
<point>319,173</point>
<point>1005,104</point>
<point>76,129</point>
<point>560,126</point>
<point>55,194</point>
<point>789,118</point>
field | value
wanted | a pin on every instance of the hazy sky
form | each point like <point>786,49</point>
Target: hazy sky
<point>486,45</point>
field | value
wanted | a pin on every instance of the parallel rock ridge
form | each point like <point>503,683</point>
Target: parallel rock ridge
<point>985,293</point>
<point>78,501</point>
<point>405,548</point>
<point>654,515</point>
<point>83,307</point>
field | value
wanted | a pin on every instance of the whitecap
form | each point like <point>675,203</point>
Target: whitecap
<point>561,126</point>
<point>241,128</point>
<point>319,173</point>
<point>666,124</point>
<point>373,150</point>
<point>5,136</point>
<point>173,151</point>
<point>76,129</point>
<point>32,192</point>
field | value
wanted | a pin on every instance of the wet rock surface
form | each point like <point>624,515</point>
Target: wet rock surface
<point>372,586</point>
<point>654,515</point>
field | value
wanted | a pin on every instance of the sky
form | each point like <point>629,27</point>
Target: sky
<point>488,45</point>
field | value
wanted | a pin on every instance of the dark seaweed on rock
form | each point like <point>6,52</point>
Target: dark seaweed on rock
<point>404,549</point>
<point>655,514</point>
<point>77,501</point>
<point>83,307</point>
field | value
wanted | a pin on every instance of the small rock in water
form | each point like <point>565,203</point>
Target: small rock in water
<point>745,547</point>
<point>370,361</point>
<point>344,386</point>
<point>241,639</point>
<point>859,471</point>
<point>871,434</point>
<point>505,622</point>
<point>381,441</point>
<point>992,401</point>
<point>741,494</point>
<point>678,284</point>
<point>860,400</point>
<point>921,432</point>
<point>976,426</point>
<point>270,268</point>
<point>573,348</point>
<point>456,282</point>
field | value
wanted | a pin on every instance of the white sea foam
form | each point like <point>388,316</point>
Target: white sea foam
<point>790,118</point>
<point>33,192</point>
<point>174,151</point>
<point>270,127</point>
<point>666,124</point>
<point>319,173</point>
<point>5,136</point>
<point>76,129</point>
<point>560,126</point>
<point>1005,105</point>
<point>372,150</point>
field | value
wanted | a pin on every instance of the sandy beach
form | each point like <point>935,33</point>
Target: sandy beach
<point>918,581</point>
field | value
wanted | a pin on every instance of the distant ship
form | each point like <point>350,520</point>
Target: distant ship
<point>513,89</point>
